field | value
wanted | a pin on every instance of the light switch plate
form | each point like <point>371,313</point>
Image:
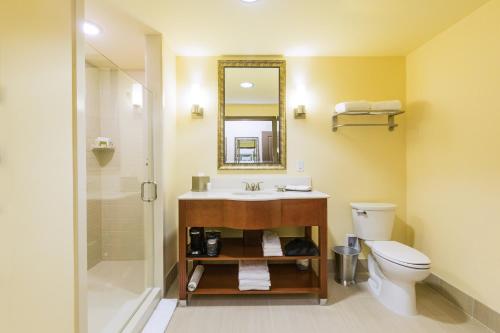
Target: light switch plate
<point>300,166</point>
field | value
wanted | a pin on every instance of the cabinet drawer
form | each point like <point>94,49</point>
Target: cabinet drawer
<point>303,212</point>
<point>252,215</point>
<point>203,213</point>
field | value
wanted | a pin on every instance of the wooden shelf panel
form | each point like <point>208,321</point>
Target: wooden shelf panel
<point>222,279</point>
<point>233,249</point>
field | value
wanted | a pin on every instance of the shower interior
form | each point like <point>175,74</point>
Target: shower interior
<point>119,223</point>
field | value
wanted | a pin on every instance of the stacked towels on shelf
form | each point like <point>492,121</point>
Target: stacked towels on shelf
<point>254,275</point>
<point>391,105</point>
<point>394,105</point>
<point>271,245</point>
<point>352,106</point>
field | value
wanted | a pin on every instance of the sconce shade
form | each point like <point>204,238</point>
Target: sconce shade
<point>197,110</point>
<point>300,112</point>
<point>137,95</point>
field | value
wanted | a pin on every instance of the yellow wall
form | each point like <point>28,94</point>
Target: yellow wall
<point>351,165</point>
<point>254,110</point>
<point>453,153</point>
<point>169,158</point>
<point>37,274</point>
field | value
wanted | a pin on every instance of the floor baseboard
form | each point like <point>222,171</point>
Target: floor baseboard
<point>468,304</point>
<point>170,277</point>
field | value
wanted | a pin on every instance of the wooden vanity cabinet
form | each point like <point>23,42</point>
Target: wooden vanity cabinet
<point>221,273</point>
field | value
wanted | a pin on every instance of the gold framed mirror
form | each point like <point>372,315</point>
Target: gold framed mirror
<point>251,119</point>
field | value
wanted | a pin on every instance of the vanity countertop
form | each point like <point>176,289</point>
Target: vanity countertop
<point>239,195</point>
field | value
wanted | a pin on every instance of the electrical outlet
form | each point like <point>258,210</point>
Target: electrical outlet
<point>300,166</point>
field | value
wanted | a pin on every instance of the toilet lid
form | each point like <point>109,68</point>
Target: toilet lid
<point>373,206</point>
<point>400,253</point>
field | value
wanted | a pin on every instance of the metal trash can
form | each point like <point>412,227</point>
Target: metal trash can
<point>346,260</point>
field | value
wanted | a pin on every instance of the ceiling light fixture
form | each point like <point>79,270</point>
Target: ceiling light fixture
<point>90,29</point>
<point>248,1</point>
<point>246,85</point>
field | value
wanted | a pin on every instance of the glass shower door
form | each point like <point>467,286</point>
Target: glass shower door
<point>120,194</point>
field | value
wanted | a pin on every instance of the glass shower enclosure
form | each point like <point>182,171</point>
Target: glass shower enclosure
<point>120,194</point>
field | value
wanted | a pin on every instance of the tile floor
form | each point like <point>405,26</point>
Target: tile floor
<point>350,310</point>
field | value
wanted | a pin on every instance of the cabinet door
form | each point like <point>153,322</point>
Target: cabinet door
<point>252,215</point>
<point>303,212</point>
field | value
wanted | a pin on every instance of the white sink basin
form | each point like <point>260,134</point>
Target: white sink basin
<point>254,193</point>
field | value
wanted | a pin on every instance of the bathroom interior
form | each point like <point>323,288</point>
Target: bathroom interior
<point>249,165</point>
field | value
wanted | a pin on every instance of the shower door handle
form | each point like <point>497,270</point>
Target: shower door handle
<point>155,192</point>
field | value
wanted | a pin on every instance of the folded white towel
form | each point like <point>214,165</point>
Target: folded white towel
<point>260,283</point>
<point>272,250</point>
<point>271,245</point>
<point>253,265</point>
<point>352,106</point>
<point>253,270</point>
<point>393,105</point>
<point>247,288</point>
<point>264,276</point>
<point>299,188</point>
<point>271,239</point>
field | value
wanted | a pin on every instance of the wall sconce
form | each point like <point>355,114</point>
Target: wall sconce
<point>300,112</point>
<point>137,100</point>
<point>196,109</point>
<point>301,98</point>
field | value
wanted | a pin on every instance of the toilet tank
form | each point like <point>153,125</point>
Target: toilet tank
<point>373,221</point>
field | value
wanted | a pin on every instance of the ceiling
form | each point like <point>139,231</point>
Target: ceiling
<point>297,27</point>
<point>97,59</point>
<point>122,37</point>
<point>265,89</point>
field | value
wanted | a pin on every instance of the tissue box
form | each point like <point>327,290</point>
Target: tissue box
<point>199,183</point>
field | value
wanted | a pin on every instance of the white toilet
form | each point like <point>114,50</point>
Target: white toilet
<point>394,267</point>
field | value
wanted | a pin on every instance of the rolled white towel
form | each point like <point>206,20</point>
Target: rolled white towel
<point>352,106</point>
<point>394,105</point>
<point>195,278</point>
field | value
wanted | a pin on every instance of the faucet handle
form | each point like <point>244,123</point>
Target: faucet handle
<point>280,188</point>
<point>257,185</point>
<point>247,186</point>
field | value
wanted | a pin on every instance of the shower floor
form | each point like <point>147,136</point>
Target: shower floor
<point>115,290</point>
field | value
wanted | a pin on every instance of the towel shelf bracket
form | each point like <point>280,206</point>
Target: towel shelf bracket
<point>391,124</point>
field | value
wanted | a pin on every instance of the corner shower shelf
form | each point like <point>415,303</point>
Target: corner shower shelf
<point>389,113</point>
<point>103,149</point>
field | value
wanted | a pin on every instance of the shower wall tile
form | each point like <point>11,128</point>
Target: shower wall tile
<point>94,242</point>
<point>94,234</point>
<point>123,228</point>
<point>122,245</point>
<point>115,228</point>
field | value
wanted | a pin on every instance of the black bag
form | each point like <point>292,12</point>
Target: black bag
<point>301,247</point>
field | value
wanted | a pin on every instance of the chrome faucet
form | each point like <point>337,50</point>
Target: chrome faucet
<point>252,186</point>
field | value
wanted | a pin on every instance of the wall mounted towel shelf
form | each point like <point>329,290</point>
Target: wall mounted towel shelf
<point>389,113</point>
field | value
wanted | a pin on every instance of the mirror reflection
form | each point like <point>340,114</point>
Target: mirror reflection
<point>252,117</point>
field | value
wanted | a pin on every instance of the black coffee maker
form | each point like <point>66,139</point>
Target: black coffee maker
<point>197,241</point>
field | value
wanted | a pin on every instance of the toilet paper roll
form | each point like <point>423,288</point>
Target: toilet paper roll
<point>195,278</point>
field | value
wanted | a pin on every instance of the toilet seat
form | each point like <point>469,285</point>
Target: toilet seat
<point>400,254</point>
